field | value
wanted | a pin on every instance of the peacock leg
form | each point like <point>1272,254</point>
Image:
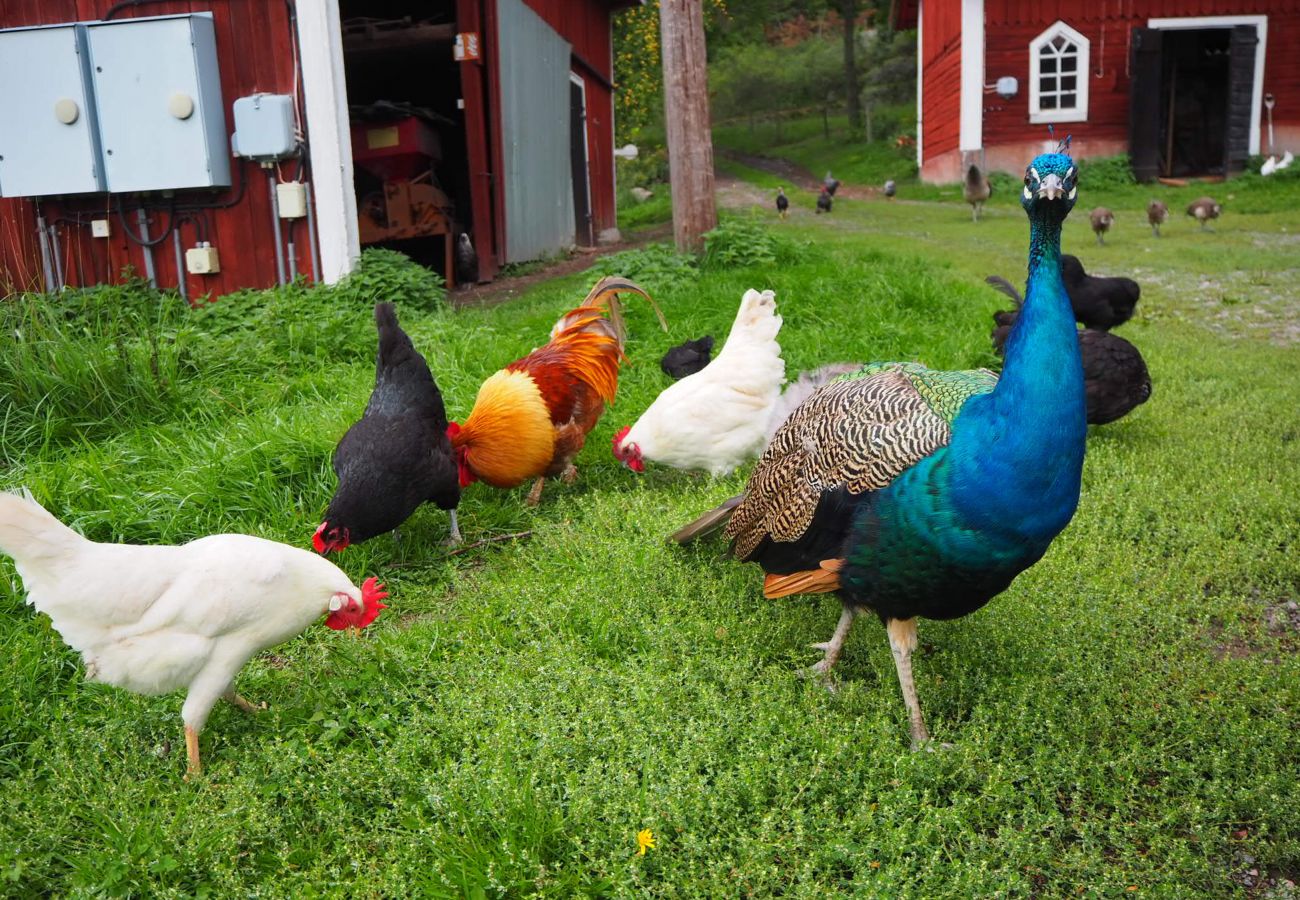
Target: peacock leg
<point>455,530</point>
<point>535,495</point>
<point>245,705</point>
<point>834,646</point>
<point>902,640</point>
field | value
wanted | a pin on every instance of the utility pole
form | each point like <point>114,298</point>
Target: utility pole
<point>686,109</point>
<point>852,89</point>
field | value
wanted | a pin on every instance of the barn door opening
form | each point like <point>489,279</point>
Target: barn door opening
<point>578,161</point>
<point>1190,100</point>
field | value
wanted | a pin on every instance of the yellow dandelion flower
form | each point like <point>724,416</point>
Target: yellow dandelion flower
<point>645,840</point>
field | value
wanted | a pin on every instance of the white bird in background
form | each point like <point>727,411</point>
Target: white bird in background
<point>1273,164</point>
<point>152,619</point>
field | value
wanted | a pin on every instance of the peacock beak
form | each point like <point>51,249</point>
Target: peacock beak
<point>1051,187</point>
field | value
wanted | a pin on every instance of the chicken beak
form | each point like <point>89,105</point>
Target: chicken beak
<point>1051,187</point>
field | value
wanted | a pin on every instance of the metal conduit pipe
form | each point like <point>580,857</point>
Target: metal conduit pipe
<point>47,267</point>
<point>57,252</point>
<point>311,234</point>
<point>180,265</point>
<point>146,248</point>
<point>275,223</point>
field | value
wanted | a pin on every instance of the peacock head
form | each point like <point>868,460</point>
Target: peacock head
<point>1051,187</point>
<point>627,452</point>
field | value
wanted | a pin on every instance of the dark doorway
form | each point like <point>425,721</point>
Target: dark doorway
<point>578,162</point>
<point>1190,101</point>
<point>1195,102</point>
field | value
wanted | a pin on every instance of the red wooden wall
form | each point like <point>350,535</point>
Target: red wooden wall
<point>1011,24</point>
<point>254,54</point>
<point>941,78</point>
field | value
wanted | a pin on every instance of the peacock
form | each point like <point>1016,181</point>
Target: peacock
<point>914,492</point>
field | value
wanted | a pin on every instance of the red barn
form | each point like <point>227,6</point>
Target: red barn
<point>1185,87</point>
<point>285,136</point>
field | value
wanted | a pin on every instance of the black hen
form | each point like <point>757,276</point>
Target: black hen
<point>1098,302</point>
<point>830,183</point>
<point>688,358</point>
<point>1115,377</point>
<point>398,456</point>
<point>466,261</point>
<point>824,201</point>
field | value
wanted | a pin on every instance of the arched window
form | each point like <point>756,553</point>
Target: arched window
<point>1058,75</point>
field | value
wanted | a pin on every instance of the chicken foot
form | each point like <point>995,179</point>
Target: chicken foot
<point>245,705</point>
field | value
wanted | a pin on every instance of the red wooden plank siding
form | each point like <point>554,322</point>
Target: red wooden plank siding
<point>941,78</point>
<point>1011,24</point>
<point>254,54</point>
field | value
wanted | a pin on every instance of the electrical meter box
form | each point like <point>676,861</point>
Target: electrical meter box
<point>264,127</point>
<point>48,140</point>
<point>158,97</point>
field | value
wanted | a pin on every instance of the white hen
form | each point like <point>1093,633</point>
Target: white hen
<point>717,418</point>
<point>154,619</point>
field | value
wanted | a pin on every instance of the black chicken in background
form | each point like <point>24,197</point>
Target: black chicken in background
<point>466,261</point>
<point>688,358</point>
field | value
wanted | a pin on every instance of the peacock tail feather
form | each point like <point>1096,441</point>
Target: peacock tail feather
<point>508,436</point>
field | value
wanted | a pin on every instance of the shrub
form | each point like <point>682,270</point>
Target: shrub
<point>656,267</point>
<point>389,275</point>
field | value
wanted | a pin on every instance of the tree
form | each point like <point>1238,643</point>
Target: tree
<point>852,93</point>
<point>686,115</point>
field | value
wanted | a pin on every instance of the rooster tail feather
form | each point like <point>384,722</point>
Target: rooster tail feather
<point>29,533</point>
<point>604,294</point>
<point>707,524</point>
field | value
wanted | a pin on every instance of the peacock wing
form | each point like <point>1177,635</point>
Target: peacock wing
<point>857,434</point>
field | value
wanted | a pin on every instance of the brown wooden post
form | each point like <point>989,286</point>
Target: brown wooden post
<point>686,109</point>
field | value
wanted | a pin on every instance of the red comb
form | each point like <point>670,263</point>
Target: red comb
<point>371,590</point>
<point>316,541</point>
<point>618,438</point>
<point>453,429</point>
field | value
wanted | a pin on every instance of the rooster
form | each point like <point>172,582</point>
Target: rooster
<point>154,619</point>
<point>398,455</point>
<point>717,418</point>
<point>531,418</point>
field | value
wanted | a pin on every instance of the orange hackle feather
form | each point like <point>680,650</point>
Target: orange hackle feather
<point>508,437</point>
<point>562,386</point>
<point>822,580</point>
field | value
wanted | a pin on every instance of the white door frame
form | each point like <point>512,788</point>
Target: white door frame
<point>320,47</point>
<point>1261,31</point>
<point>575,78</point>
<point>970,135</point>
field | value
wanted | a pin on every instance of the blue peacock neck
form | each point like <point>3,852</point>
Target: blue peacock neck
<point>1018,451</point>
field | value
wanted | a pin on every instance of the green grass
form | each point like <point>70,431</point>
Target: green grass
<point>1123,716</point>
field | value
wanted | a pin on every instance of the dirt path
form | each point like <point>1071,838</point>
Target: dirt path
<point>796,174</point>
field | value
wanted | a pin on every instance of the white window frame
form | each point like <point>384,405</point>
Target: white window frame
<point>1083,72</point>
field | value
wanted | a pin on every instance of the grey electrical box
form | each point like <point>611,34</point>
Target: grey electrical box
<point>264,127</point>
<point>48,139</point>
<point>158,94</point>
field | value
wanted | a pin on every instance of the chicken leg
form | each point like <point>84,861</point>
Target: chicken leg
<point>455,537</point>
<point>535,495</point>
<point>195,767</point>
